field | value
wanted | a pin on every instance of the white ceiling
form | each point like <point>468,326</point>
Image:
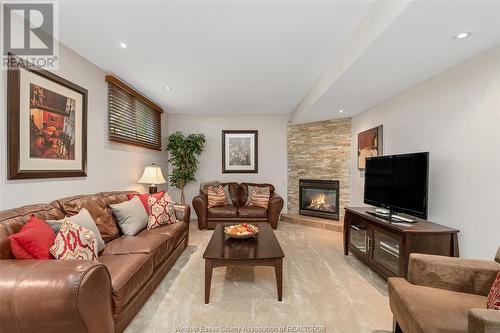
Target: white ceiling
<point>270,57</point>
<point>218,57</point>
<point>416,46</point>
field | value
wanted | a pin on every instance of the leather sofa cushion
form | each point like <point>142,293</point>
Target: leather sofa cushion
<point>157,246</point>
<point>251,212</point>
<point>234,192</point>
<point>177,231</point>
<point>430,310</point>
<point>128,274</point>
<point>135,245</point>
<point>223,211</point>
<point>97,208</point>
<point>12,220</point>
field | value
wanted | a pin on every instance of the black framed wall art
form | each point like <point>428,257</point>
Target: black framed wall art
<point>47,124</point>
<point>240,151</point>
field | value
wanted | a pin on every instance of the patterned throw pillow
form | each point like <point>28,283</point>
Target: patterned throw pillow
<point>144,198</point>
<point>161,212</point>
<point>260,196</point>
<point>216,196</point>
<point>74,242</point>
<point>493,302</point>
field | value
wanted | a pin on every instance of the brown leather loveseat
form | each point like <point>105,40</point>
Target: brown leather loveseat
<point>82,295</point>
<point>238,212</point>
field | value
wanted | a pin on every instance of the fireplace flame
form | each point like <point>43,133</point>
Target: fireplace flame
<point>318,202</point>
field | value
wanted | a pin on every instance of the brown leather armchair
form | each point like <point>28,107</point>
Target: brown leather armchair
<point>238,212</point>
<point>444,294</point>
<point>100,296</point>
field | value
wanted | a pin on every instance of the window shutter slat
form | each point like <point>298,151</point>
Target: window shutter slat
<point>131,117</point>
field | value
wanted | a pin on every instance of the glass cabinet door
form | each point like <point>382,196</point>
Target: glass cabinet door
<point>358,234</point>
<point>386,250</point>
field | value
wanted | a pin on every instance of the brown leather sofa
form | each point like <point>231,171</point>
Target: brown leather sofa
<point>81,295</point>
<point>444,294</point>
<point>208,218</point>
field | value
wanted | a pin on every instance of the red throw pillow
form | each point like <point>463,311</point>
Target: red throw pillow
<point>35,239</point>
<point>144,198</point>
<point>19,252</point>
<point>493,302</point>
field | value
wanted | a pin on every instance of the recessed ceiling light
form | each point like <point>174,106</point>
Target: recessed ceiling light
<point>168,87</point>
<point>462,35</point>
<point>123,45</point>
<point>341,111</point>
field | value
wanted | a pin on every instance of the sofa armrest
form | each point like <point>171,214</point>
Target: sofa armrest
<point>483,321</point>
<point>200,204</point>
<point>275,206</point>
<point>182,212</point>
<point>55,296</point>
<point>463,275</point>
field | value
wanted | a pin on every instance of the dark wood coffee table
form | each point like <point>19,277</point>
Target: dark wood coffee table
<point>263,250</point>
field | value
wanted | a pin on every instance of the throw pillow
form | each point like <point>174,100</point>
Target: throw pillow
<point>33,241</point>
<point>493,302</point>
<point>216,196</point>
<point>260,197</point>
<point>161,212</point>
<point>228,195</point>
<point>19,252</point>
<point>84,219</point>
<point>144,198</point>
<point>74,242</point>
<point>131,216</point>
<point>249,194</point>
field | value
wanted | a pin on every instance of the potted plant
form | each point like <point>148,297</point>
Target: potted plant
<point>183,151</point>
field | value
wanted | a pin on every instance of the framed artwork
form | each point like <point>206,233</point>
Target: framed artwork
<point>369,145</point>
<point>240,151</point>
<point>47,125</point>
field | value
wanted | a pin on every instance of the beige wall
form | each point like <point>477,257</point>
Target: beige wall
<point>272,147</point>
<point>456,117</point>
<point>319,150</point>
<point>111,166</point>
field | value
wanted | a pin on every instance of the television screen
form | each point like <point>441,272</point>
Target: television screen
<point>398,182</point>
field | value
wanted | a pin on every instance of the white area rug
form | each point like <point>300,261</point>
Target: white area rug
<point>323,291</point>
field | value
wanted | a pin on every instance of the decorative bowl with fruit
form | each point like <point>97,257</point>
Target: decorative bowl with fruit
<point>243,230</point>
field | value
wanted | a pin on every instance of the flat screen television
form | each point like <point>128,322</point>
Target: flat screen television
<point>398,183</point>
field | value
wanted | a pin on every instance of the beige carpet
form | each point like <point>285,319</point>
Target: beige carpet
<point>322,289</point>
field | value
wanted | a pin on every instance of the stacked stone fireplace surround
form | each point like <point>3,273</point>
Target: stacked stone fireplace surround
<point>319,150</point>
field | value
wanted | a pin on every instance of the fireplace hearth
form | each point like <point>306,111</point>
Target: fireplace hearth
<point>319,198</point>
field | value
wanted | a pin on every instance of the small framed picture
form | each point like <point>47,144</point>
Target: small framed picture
<point>240,151</point>
<point>47,125</point>
<point>369,145</point>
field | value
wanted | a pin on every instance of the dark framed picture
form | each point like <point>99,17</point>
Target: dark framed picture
<point>369,145</point>
<point>47,125</point>
<point>240,151</point>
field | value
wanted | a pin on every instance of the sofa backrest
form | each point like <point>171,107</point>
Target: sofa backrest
<point>115,197</point>
<point>96,206</point>
<point>238,192</point>
<point>12,220</point>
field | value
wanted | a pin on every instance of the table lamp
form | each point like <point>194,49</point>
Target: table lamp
<point>152,175</point>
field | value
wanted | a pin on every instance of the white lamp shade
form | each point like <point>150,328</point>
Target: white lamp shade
<point>152,175</point>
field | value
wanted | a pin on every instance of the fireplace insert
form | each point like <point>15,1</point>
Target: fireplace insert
<point>319,198</point>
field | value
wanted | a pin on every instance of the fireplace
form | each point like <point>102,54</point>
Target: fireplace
<point>319,198</point>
